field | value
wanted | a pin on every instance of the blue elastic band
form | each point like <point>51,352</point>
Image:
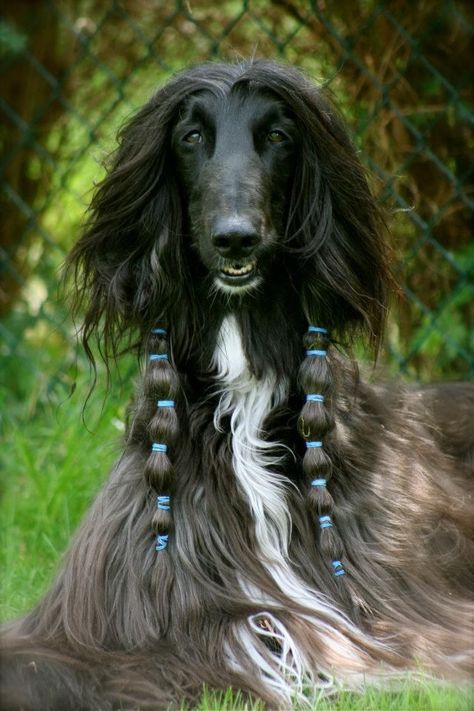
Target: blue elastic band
<point>316,352</point>
<point>325,521</point>
<point>159,331</point>
<point>317,329</point>
<point>165,403</point>
<point>314,398</point>
<point>313,445</point>
<point>161,542</point>
<point>158,356</point>
<point>163,503</point>
<point>156,447</point>
<point>318,482</point>
<point>338,568</point>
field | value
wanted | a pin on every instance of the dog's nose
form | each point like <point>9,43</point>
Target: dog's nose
<point>234,238</point>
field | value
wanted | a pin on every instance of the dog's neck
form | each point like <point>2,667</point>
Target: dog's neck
<point>263,333</point>
<point>235,375</point>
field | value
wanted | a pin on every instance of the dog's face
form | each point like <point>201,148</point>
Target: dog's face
<point>235,156</point>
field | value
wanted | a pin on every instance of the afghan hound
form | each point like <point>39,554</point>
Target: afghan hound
<point>274,524</point>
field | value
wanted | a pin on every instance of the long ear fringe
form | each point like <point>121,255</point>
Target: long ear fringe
<point>335,226</point>
<point>135,213</point>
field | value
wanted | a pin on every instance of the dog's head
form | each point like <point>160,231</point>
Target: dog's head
<point>228,171</point>
<point>235,152</point>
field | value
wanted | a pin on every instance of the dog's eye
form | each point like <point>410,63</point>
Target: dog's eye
<point>276,136</point>
<point>193,137</point>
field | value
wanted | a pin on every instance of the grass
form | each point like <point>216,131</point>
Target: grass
<point>411,698</point>
<point>52,465</point>
<point>54,457</point>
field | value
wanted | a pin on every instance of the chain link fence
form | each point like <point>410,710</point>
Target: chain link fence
<point>73,71</point>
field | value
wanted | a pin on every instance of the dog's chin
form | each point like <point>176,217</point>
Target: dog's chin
<point>237,278</point>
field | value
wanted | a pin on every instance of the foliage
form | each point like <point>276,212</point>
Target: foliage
<point>51,469</point>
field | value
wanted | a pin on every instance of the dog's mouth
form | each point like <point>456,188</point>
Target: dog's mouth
<point>238,273</point>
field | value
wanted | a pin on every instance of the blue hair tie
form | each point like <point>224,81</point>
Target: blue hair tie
<point>161,542</point>
<point>159,331</point>
<point>314,398</point>
<point>158,356</point>
<point>325,522</point>
<point>338,568</point>
<point>163,503</point>
<point>317,329</point>
<point>165,403</point>
<point>316,352</point>
<point>318,482</point>
<point>156,447</point>
<point>313,445</point>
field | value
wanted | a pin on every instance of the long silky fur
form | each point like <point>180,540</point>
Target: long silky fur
<point>244,595</point>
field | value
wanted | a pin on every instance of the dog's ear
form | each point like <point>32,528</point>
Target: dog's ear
<point>336,226</point>
<point>130,242</point>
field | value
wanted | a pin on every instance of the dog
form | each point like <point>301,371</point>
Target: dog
<point>274,524</point>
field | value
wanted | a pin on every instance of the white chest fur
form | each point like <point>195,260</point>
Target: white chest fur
<point>248,401</point>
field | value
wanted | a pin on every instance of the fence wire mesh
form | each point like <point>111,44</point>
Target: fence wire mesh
<point>72,71</point>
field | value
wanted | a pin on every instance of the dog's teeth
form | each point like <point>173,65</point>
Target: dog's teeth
<point>239,271</point>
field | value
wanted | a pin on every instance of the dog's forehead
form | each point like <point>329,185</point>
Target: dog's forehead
<point>240,106</point>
